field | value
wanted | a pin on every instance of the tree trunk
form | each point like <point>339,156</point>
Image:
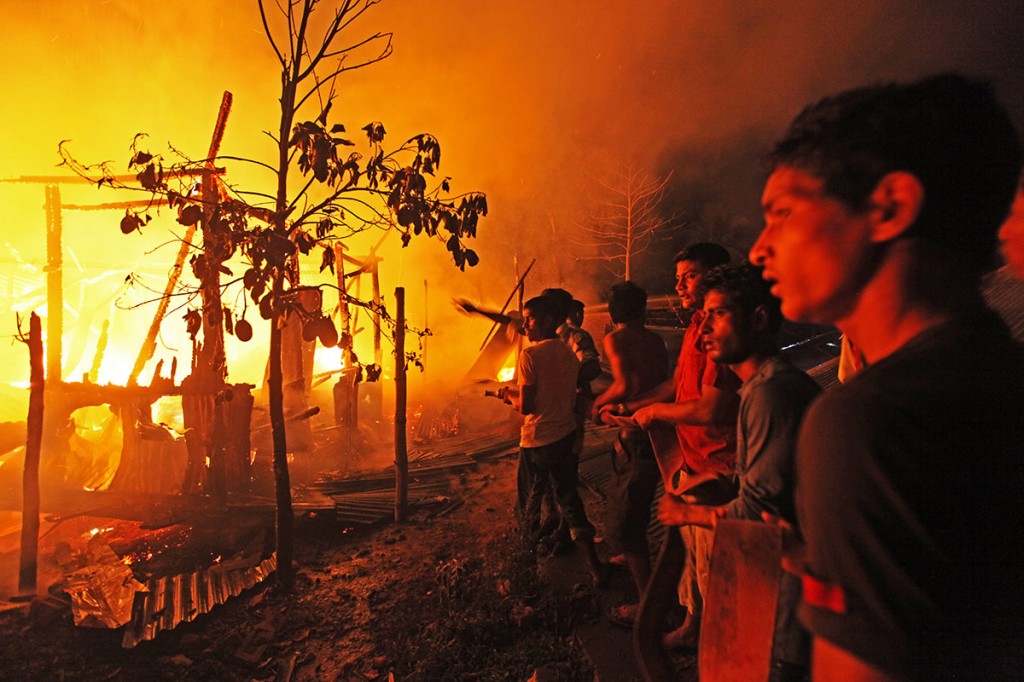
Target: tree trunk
<point>282,481</point>
<point>401,453</point>
<point>30,477</point>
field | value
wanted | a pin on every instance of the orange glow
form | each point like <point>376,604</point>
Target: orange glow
<point>506,374</point>
<point>533,104</point>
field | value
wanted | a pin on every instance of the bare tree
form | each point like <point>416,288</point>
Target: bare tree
<point>319,195</point>
<point>628,222</point>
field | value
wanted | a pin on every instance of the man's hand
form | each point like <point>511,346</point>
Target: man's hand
<point>598,412</point>
<point>646,416</point>
<point>465,306</point>
<point>794,551</point>
<point>672,511</point>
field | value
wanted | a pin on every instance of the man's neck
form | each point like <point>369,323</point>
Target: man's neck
<point>749,367</point>
<point>891,310</point>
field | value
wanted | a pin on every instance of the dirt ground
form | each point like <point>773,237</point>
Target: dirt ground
<point>453,594</point>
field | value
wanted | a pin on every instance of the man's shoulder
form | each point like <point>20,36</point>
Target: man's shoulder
<point>973,348</point>
<point>633,335</point>
<point>779,382</point>
<point>581,337</point>
<point>550,348</point>
<point>780,373</point>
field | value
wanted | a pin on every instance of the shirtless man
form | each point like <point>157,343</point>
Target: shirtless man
<point>639,362</point>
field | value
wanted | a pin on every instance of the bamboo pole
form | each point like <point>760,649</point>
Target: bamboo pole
<point>426,326</point>
<point>378,355</point>
<point>401,453</point>
<point>30,476</point>
<point>149,343</point>
<point>54,283</point>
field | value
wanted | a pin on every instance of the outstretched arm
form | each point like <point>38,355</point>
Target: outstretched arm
<point>470,308</point>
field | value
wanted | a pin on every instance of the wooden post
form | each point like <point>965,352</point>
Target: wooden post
<point>426,327</point>
<point>54,283</point>
<point>401,454</point>
<point>344,319</point>
<point>30,478</point>
<point>346,391</point>
<point>373,261</point>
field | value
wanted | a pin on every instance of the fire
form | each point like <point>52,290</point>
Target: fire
<point>508,371</point>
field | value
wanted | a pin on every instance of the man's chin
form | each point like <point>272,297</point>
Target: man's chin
<point>795,312</point>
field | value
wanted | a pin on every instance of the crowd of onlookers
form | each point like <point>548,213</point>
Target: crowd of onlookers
<point>900,492</point>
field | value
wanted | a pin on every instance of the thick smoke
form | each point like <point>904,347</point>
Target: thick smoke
<point>535,103</point>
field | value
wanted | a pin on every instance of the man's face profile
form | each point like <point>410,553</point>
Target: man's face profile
<point>813,248</point>
<point>689,276</point>
<point>725,329</point>
<point>536,326</point>
<point>1011,235</point>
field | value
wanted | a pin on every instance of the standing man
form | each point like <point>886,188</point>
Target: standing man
<point>546,395</point>
<point>581,343</point>
<point>741,318</point>
<point>639,362</point>
<point>881,213</point>
<point>700,402</point>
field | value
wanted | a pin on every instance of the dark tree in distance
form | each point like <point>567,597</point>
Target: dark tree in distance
<point>333,195</point>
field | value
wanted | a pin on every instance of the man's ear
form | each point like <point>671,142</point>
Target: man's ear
<point>759,318</point>
<point>896,202</point>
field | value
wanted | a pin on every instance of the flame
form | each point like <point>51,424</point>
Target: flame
<point>508,371</point>
<point>327,359</point>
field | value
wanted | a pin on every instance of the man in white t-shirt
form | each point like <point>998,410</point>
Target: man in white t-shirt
<point>546,395</point>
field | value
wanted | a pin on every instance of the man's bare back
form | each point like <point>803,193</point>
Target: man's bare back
<point>638,360</point>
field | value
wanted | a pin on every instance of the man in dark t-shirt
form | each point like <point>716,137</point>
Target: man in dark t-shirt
<point>881,213</point>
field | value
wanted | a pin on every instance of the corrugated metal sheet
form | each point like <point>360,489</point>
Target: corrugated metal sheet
<point>166,602</point>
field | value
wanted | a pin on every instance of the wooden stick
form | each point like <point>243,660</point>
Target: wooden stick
<point>149,343</point>
<point>30,477</point>
<point>401,453</point>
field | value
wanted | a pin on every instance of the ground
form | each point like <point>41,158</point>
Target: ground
<point>452,594</point>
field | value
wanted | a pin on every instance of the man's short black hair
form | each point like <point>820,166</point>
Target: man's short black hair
<point>743,284</point>
<point>545,306</point>
<point>576,307</point>
<point>948,131</point>
<point>562,298</point>
<point>627,303</point>
<point>707,254</point>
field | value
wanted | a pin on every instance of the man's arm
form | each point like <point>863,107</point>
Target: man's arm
<point>582,344</point>
<point>623,381</point>
<point>715,407</point>
<point>672,511</point>
<point>523,398</point>
<point>770,420</point>
<point>832,664</point>
<point>663,392</point>
<point>492,315</point>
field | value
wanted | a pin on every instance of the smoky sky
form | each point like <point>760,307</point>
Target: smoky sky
<point>534,102</point>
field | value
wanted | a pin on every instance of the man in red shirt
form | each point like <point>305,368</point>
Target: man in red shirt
<point>700,401</point>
